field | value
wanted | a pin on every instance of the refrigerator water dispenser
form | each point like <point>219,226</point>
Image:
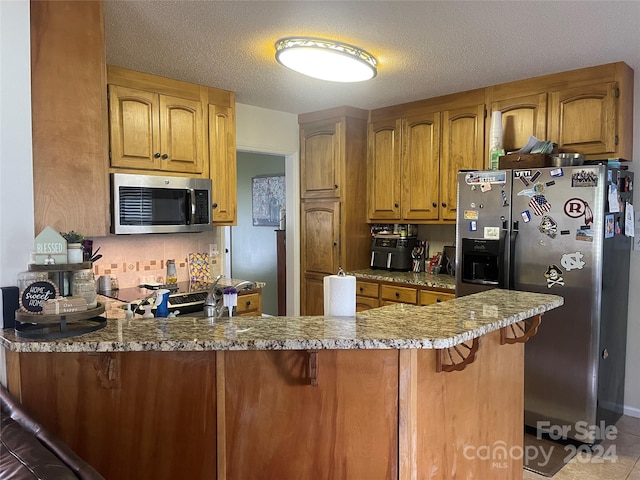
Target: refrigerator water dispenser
<point>481,261</point>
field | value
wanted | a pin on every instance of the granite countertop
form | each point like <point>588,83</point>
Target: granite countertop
<point>422,279</point>
<point>396,326</point>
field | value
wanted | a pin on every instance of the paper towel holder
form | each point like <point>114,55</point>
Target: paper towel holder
<point>341,272</point>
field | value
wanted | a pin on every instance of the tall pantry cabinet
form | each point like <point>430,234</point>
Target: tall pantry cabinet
<point>333,210</point>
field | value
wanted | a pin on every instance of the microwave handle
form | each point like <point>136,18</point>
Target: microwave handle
<point>192,194</point>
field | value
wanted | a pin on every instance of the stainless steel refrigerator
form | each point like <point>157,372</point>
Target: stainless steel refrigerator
<point>559,231</point>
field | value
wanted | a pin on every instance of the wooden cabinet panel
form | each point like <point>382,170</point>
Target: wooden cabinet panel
<point>279,426</point>
<point>429,297</point>
<point>312,294</point>
<point>182,135</point>
<point>249,305</point>
<point>584,119</point>
<point>68,113</point>
<point>398,294</point>
<point>366,303</point>
<point>521,118</point>
<point>134,127</point>
<point>462,149</point>
<point>320,236</point>
<point>421,167</point>
<point>367,289</point>
<point>222,164</point>
<point>320,151</point>
<point>126,413</point>
<point>384,170</point>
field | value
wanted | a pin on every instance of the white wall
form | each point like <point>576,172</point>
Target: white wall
<point>16,171</point>
<point>260,130</point>
<point>632,383</point>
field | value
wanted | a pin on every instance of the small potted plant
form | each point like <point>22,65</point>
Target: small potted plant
<point>74,246</point>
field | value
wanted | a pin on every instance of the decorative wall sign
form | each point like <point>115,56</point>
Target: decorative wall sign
<point>50,248</point>
<point>268,194</point>
<point>32,298</point>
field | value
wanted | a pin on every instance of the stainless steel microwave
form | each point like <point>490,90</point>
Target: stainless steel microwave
<point>159,204</point>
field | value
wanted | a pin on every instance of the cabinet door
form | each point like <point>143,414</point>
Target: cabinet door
<point>429,297</point>
<point>421,167</point>
<point>222,164</point>
<point>320,159</point>
<point>249,305</point>
<point>383,170</point>
<point>181,135</point>
<point>312,294</point>
<point>583,119</point>
<point>366,303</point>
<point>134,128</point>
<point>521,118</point>
<point>462,147</point>
<point>320,236</point>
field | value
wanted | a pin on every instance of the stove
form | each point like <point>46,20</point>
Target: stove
<point>186,297</point>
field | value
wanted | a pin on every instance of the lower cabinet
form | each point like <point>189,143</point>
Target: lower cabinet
<point>249,305</point>
<point>372,294</point>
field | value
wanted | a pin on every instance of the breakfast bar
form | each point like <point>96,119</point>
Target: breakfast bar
<point>401,391</point>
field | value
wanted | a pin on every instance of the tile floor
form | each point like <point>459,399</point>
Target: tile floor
<point>602,464</point>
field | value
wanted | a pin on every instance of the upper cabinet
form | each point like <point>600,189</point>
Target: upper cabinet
<point>150,131</point>
<point>414,152</point>
<point>588,111</point>
<point>320,155</point>
<point>69,111</point>
<point>159,125</point>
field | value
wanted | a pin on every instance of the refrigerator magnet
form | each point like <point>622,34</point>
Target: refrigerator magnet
<point>505,202</point>
<point>485,187</point>
<point>526,216</point>
<point>586,177</point>
<point>548,226</point>
<point>608,226</point>
<point>572,261</point>
<point>536,175</point>
<point>556,172</point>
<point>524,181</point>
<point>551,183</point>
<point>473,226</point>
<point>554,276</point>
<point>492,233</point>
<point>470,214</point>
<point>584,235</point>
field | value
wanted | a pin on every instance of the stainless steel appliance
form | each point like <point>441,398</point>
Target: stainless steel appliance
<point>392,252</point>
<point>159,204</point>
<point>561,231</point>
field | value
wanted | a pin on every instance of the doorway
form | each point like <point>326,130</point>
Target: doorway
<point>253,247</point>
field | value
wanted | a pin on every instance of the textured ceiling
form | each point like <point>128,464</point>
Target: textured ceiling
<point>424,48</point>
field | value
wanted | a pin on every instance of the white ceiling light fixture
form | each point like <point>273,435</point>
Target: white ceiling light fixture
<point>326,59</point>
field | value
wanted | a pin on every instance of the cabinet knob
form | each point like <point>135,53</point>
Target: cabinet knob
<point>444,204</point>
<point>247,303</point>
<point>335,244</point>
<point>335,186</point>
<point>397,295</point>
<point>156,155</point>
<point>396,205</point>
<point>361,289</point>
<point>215,205</point>
<point>434,204</point>
<point>438,300</point>
<point>165,156</point>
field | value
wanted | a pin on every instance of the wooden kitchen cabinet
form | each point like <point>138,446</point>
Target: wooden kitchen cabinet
<point>367,295</point>
<point>438,138</point>
<point>384,169</point>
<point>151,131</point>
<point>222,164</point>
<point>588,111</point>
<point>396,294</point>
<point>276,420</point>
<point>249,305</point>
<point>68,114</point>
<point>333,212</point>
<point>429,297</point>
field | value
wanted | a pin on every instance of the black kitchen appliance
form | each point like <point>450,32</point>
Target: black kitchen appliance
<point>392,252</point>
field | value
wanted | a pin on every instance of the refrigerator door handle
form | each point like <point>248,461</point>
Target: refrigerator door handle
<point>512,252</point>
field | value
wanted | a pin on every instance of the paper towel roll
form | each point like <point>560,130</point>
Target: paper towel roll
<point>339,296</point>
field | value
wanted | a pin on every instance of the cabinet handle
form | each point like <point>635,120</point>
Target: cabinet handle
<point>215,205</point>
<point>444,204</point>
<point>434,204</point>
<point>165,156</point>
<point>397,295</point>
<point>156,155</point>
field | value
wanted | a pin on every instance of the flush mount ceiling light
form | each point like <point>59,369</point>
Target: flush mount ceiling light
<point>326,59</point>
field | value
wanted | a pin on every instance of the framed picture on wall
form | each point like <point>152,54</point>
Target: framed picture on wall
<point>268,196</point>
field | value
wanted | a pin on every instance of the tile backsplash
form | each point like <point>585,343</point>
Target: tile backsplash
<point>136,259</point>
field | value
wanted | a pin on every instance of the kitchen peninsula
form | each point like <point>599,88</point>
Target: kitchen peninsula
<point>394,392</point>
